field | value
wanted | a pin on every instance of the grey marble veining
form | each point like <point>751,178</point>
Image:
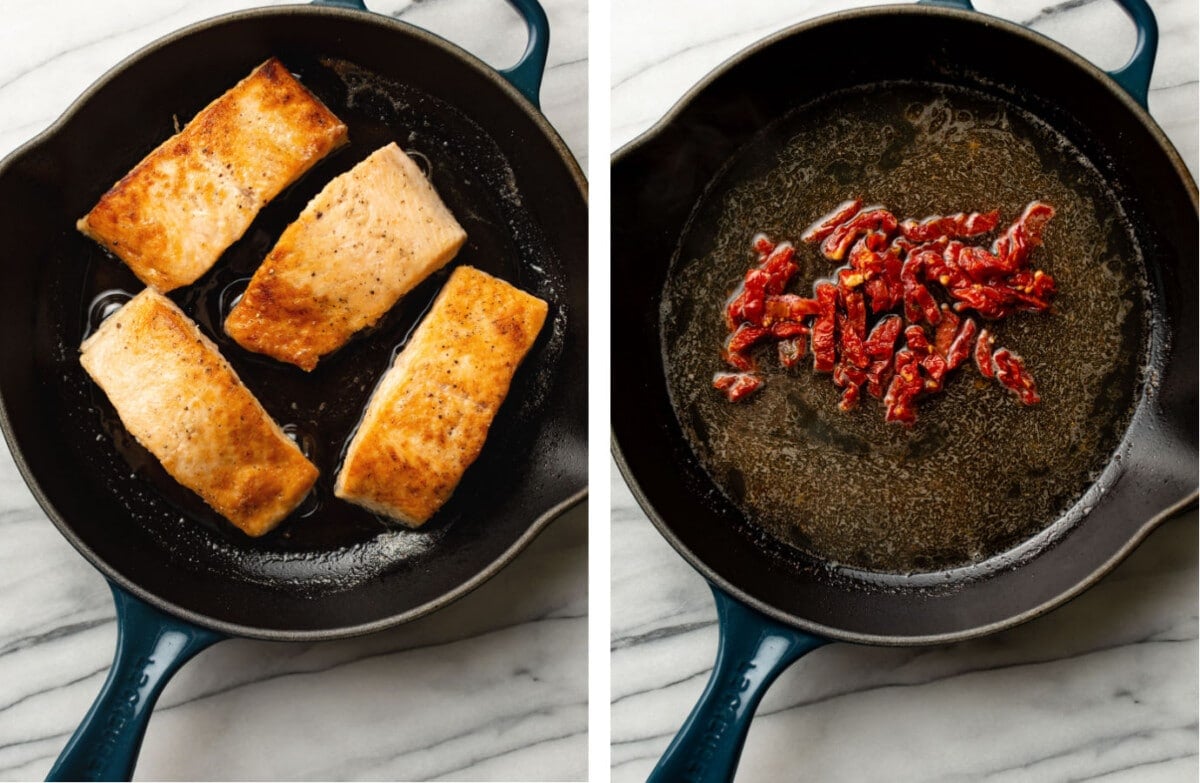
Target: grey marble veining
<point>1104,688</point>
<point>492,687</point>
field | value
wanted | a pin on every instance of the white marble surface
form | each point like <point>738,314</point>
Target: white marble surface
<point>1104,688</point>
<point>493,687</point>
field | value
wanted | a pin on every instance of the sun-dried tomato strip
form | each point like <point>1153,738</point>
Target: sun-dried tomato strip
<point>839,241</point>
<point>748,303</point>
<point>880,346</point>
<point>935,368</point>
<point>826,224</point>
<point>905,386</point>
<point>852,343</point>
<point>738,361</point>
<point>882,342</point>
<point>789,307</point>
<point>1015,244</point>
<point>876,265</point>
<point>740,342</point>
<point>850,397</point>
<point>824,347</point>
<point>736,386</point>
<point>856,312</point>
<point>863,259</point>
<point>784,330</point>
<point>1033,289</point>
<point>1011,373</point>
<point>745,337</point>
<point>892,268</point>
<point>879,295</point>
<point>930,360</point>
<point>876,241</point>
<point>919,304</point>
<point>946,331</point>
<point>879,375</point>
<point>780,268</point>
<point>980,265</point>
<point>990,301</point>
<point>960,346</point>
<point>947,270</point>
<point>951,226</point>
<point>918,341</point>
<point>850,379</point>
<point>846,375</point>
<point>774,271</point>
<point>983,354</point>
<point>1000,300</point>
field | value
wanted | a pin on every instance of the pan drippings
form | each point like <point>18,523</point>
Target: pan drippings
<point>978,473</point>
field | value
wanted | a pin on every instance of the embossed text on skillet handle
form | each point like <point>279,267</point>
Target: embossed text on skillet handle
<point>151,646</point>
<point>753,650</point>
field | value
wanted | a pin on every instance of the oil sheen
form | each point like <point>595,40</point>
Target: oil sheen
<point>979,473</point>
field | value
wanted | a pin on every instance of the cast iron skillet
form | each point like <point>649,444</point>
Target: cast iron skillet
<point>183,578</point>
<point>773,609</point>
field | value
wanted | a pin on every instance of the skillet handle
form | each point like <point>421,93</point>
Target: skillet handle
<point>1133,76</point>
<point>151,646</point>
<point>754,649</point>
<point>527,74</point>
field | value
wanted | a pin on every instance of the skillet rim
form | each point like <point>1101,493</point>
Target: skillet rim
<point>681,106</point>
<point>535,526</point>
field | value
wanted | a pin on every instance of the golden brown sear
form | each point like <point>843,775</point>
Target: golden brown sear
<point>177,211</point>
<point>364,241</point>
<point>428,419</point>
<point>178,396</point>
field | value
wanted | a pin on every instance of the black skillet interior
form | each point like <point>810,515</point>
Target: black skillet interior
<point>658,181</point>
<point>331,568</point>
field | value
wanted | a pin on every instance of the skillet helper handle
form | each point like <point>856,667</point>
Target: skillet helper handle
<point>754,649</point>
<point>527,74</point>
<point>151,646</point>
<point>1133,76</point>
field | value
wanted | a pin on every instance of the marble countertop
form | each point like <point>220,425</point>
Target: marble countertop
<point>393,705</point>
<point>1103,688</point>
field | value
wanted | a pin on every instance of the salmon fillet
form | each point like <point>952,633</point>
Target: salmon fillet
<point>178,396</point>
<point>428,418</point>
<point>176,212</point>
<point>363,242</point>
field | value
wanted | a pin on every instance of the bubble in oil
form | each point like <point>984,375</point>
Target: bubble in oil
<point>312,503</point>
<point>423,162</point>
<point>103,305</point>
<point>301,437</point>
<point>230,295</point>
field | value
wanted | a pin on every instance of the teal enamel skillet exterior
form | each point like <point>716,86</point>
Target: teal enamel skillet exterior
<point>758,638</point>
<point>159,632</point>
<point>151,647</point>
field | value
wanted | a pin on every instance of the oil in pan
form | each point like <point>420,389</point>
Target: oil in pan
<point>978,474</point>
